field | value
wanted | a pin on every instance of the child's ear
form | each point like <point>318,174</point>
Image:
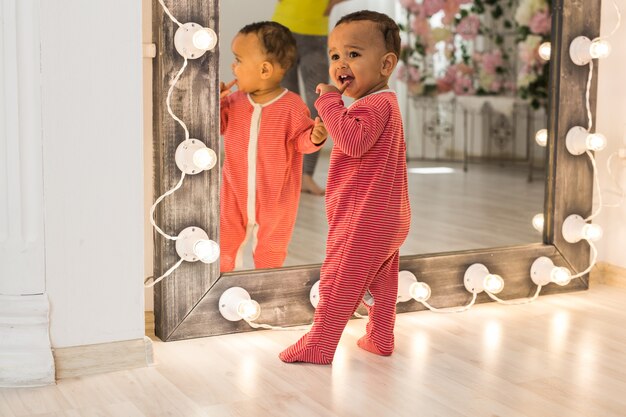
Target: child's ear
<point>267,69</point>
<point>390,60</point>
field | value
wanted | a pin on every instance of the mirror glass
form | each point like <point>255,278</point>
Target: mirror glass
<point>473,90</point>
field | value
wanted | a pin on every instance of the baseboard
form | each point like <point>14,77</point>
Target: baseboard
<point>25,352</point>
<point>78,361</point>
<point>608,274</point>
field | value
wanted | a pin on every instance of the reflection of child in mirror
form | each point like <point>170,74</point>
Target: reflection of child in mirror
<point>266,130</point>
<point>367,200</point>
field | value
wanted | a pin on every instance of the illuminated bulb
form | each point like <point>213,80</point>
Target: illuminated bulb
<point>599,49</point>
<point>206,250</point>
<point>204,39</point>
<point>235,304</point>
<point>541,137</point>
<point>420,291</point>
<point>193,244</point>
<point>545,49</point>
<point>191,40</point>
<point>578,141</point>
<point>204,158</point>
<point>477,279</point>
<point>575,228</point>
<point>192,156</point>
<point>560,275</point>
<point>493,283</point>
<point>543,271</point>
<point>582,50</point>
<point>538,222</point>
<point>249,310</point>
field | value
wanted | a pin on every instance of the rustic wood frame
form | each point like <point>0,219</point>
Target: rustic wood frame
<point>186,303</point>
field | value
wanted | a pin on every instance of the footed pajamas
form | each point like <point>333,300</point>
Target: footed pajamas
<point>368,213</point>
<point>261,176</point>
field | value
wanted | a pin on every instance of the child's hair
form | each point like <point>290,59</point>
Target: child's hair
<point>387,26</point>
<point>277,40</point>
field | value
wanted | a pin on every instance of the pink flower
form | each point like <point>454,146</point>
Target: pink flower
<point>420,26</point>
<point>464,85</point>
<point>491,61</point>
<point>540,23</point>
<point>468,27</point>
<point>433,6</point>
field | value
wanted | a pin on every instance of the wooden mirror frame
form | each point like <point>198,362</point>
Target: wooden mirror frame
<point>186,302</point>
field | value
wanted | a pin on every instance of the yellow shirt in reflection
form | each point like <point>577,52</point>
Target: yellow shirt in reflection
<point>303,16</point>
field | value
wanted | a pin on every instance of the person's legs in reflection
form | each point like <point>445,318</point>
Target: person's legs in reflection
<point>382,315</point>
<point>232,230</point>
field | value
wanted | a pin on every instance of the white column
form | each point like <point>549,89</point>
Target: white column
<point>25,350</point>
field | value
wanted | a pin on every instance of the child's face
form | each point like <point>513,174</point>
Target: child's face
<point>248,64</point>
<point>358,57</point>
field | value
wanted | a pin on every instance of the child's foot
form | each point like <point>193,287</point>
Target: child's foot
<point>309,186</point>
<point>366,343</point>
<point>300,352</point>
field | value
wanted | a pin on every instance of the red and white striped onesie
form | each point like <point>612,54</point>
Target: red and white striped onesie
<point>261,176</point>
<point>368,212</point>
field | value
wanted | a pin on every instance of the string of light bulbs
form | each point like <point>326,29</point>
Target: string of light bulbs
<point>192,156</point>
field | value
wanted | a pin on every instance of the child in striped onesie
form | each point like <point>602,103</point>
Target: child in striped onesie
<point>367,202</point>
<point>266,130</point>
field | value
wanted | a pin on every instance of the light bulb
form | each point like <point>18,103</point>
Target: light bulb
<point>187,245</point>
<point>314,294</point>
<point>599,49</point>
<point>192,156</point>
<point>582,50</point>
<point>204,158</point>
<point>191,40</point>
<point>477,278</point>
<point>420,291</point>
<point>538,222</point>
<point>235,304</point>
<point>578,141</point>
<point>206,250</point>
<point>541,137</point>
<point>204,39</point>
<point>543,271</point>
<point>595,141</point>
<point>493,283</point>
<point>592,232</point>
<point>545,49</point>
<point>575,228</point>
<point>249,310</point>
<point>560,275</point>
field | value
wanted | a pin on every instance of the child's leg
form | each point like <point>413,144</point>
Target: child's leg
<point>382,315</point>
<point>342,286</point>
<point>232,236</point>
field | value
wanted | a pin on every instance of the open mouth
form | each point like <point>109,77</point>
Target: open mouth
<point>345,79</point>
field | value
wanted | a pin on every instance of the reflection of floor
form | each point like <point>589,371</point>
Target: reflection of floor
<point>488,206</point>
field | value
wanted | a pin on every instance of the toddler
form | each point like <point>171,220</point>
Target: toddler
<point>367,202</point>
<point>266,130</point>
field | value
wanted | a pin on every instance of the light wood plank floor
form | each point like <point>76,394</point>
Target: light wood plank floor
<point>563,355</point>
<point>488,206</point>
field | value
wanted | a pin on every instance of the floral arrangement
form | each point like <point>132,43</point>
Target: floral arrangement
<point>533,20</point>
<point>465,72</point>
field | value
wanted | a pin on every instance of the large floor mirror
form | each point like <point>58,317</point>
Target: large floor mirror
<point>475,182</point>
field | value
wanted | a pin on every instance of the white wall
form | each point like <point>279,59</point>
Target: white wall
<point>611,121</point>
<point>93,169</point>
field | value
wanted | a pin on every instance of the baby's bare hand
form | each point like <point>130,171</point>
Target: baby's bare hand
<point>319,133</point>
<point>225,88</point>
<point>326,88</point>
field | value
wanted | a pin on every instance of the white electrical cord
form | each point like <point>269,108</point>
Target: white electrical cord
<point>596,181</point>
<point>450,310</point>
<point>169,271</point>
<point>515,302</point>
<point>167,11</point>
<point>169,96</point>
<point>176,187</point>
<point>270,327</point>
<point>594,258</point>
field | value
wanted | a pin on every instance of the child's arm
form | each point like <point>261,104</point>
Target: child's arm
<point>312,137</point>
<point>225,104</point>
<point>354,132</point>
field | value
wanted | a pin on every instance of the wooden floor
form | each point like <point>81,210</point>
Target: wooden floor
<point>490,205</point>
<point>563,355</point>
